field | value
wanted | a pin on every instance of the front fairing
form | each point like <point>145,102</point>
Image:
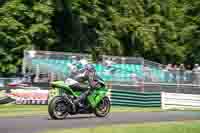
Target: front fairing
<point>97,95</point>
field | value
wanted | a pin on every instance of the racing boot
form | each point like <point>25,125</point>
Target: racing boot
<point>80,100</point>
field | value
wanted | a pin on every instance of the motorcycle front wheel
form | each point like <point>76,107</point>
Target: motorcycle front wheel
<point>58,107</point>
<point>103,108</point>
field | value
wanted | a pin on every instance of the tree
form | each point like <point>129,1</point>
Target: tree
<point>24,24</point>
<point>165,31</point>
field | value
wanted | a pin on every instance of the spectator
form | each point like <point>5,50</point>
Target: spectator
<point>174,73</point>
<point>134,78</point>
<point>181,72</point>
<point>188,74</point>
<point>195,72</point>
<point>161,78</point>
<point>109,64</point>
<point>72,69</point>
<point>147,73</point>
<point>169,67</point>
<point>189,67</point>
<point>160,66</point>
<point>198,75</point>
<point>167,70</point>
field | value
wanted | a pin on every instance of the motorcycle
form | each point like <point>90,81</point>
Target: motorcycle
<point>62,105</point>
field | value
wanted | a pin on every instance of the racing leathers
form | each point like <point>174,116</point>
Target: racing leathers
<point>85,82</point>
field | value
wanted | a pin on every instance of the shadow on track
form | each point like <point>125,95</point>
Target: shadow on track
<point>75,117</point>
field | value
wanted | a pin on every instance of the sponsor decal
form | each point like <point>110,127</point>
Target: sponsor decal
<point>29,96</point>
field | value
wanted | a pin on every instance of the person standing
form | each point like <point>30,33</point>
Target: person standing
<point>174,73</point>
<point>168,72</point>
<point>195,72</point>
<point>182,73</point>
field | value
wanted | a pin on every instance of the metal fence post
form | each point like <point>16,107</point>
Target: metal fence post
<point>37,73</point>
<point>143,76</point>
<point>24,64</point>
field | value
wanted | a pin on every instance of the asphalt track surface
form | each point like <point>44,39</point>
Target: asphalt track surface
<point>42,123</point>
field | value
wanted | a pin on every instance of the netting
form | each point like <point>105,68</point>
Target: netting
<point>51,63</point>
<point>123,69</point>
<point>158,73</point>
<point>113,69</point>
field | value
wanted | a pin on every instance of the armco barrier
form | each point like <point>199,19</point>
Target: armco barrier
<point>180,101</point>
<point>31,102</point>
<point>117,97</point>
<point>22,96</point>
<point>136,99</point>
<point>5,100</point>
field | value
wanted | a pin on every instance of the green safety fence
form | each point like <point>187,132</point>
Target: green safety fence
<point>125,98</point>
<point>136,99</point>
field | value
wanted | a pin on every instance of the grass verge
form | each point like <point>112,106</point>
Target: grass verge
<point>12,110</point>
<point>31,110</point>
<point>22,110</point>
<point>135,109</point>
<point>164,127</point>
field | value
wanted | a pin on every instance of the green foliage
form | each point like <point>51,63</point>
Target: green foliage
<point>23,25</point>
<point>166,31</point>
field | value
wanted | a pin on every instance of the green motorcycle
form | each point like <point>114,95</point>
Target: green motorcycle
<point>62,104</point>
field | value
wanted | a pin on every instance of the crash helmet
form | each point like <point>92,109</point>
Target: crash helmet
<point>89,68</point>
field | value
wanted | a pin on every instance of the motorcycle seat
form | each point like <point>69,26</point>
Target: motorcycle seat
<point>78,88</point>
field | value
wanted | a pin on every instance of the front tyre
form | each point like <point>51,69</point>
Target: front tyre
<point>57,108</point>
<point>103,108</point>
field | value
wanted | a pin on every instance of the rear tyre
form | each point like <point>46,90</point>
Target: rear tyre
<point>58,108</point>
<point>103,108</point>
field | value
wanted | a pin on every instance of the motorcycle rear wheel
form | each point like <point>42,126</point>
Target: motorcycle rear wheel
<point>58,108</point>
<point>103,108</point>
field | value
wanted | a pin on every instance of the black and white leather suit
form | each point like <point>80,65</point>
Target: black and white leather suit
<point>86,80</point>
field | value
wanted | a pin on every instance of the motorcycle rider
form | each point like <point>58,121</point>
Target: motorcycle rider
<point>86,80</point>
